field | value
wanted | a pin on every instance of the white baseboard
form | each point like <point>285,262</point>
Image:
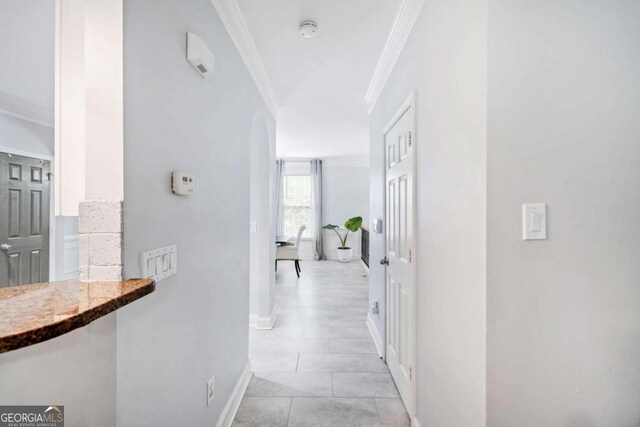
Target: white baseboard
<point>415,422</point>
<point>229,412</point>
<point>253,320</point>
<point>267,322</point>
<point>375,334</point>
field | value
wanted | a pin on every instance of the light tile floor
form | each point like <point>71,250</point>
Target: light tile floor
<point>319,365</point>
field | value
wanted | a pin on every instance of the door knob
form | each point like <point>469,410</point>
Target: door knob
<point>5,247</point>
<point>384,261</point>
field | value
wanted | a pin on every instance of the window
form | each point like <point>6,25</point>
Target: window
<point>297,205</point>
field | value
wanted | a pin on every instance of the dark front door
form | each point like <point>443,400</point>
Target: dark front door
<point>24,220</point>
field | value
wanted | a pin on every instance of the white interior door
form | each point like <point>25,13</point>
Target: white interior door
<point>400,277</point>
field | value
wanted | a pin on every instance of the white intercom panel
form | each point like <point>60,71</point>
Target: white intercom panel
<point>183,184</point>
<point>199,55</point>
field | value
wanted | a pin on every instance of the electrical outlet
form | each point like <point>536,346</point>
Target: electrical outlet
<point>375,308</point>
<point>211,389</point>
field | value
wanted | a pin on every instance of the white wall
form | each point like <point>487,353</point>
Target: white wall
<point>345,194</point>
<point>27,54</point>
<point>261,214</point>
<point>77,370</point>
<point>18,135</point>
<point>56,370</point>
<point>27,58</point>
<point>560,116</point>
<point>196,323</point>
<point>444,60</point>
<point>563,314</point>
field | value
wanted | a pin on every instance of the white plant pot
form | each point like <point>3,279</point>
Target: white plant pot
<point>344,255</point>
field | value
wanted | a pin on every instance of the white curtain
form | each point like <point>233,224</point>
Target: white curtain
<point>316,207</point>
<point>279,197</point>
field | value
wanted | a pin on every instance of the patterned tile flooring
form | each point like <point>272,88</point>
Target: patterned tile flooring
<point>318,366</point>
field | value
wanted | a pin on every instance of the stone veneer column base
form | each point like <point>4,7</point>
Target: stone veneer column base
<point>100,230</point>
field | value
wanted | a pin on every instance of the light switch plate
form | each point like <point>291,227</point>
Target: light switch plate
<point>158,264</point>
<point>376,225</point>
<point>534,221</point>
<point>211,389</point>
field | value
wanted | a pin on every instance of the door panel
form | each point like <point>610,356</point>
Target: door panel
<point>15,172</point>
<point>402,217</point>
<point>391,295</point>
<point>399,243</point>
<point>36,174</point>
<point>402,326</point>
<point>36,212</point>
<point>391,215</point>
<point>35,266</point>
<point>391,156</point>
<point>403,146</point>
<point>24,219</point>
<point>14,268</point>
<point>15,197</point>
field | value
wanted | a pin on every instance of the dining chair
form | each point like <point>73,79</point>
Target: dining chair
<point>291,252</point>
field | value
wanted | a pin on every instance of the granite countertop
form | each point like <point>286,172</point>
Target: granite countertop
<point>30,314</point>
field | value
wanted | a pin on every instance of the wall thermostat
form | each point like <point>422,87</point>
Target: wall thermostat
<point>182,183</point>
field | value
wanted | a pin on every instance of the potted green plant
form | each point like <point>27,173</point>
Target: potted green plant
<point>352,225</point>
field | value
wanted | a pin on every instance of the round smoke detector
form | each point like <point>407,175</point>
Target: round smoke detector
<point>308,29</point>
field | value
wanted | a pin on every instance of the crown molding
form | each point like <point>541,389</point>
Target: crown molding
<point>407,15</point>
<point>25,110</point>
<point>236,26</point>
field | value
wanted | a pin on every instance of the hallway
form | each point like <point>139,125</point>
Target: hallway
<point>319,365</point>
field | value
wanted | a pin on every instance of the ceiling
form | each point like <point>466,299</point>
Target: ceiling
<point>320,83</point>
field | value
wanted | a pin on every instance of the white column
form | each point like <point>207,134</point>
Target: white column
<point>104,178</point>
<point>69,164</point>
<point>100,222</point>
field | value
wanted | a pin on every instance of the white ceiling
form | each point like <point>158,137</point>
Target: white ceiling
<point>320,83</point>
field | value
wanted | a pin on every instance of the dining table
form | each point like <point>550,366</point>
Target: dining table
<point>283,240</point>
